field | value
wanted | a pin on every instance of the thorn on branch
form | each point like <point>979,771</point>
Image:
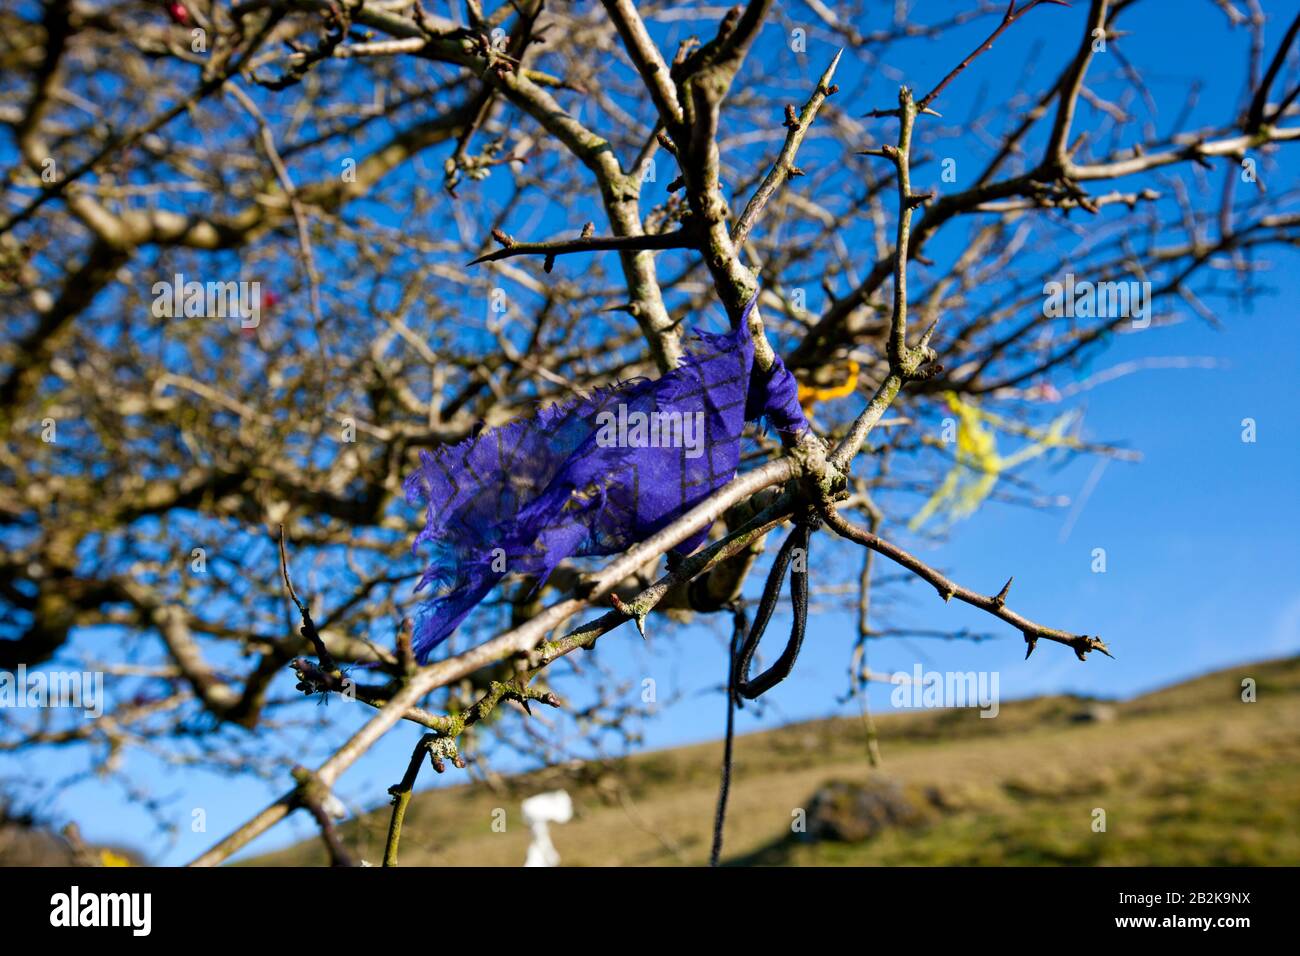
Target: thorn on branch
<point>923,346</point>
<point>633,611</point>
<point>1083,644</point>
<point>887,152</point>
<point>1000,599</point>
<point>522,693</point>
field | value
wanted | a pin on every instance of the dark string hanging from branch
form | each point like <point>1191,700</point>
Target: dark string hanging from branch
<point>792,557</point>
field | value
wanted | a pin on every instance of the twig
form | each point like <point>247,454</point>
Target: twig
<point>295,205</point>
<point>1255,116</point>
<point>679,239</point>
<point>1010,17</point>
<point>784,165</point>
<point>646,57</point>
<point>401,794</point>
<point>308,629</point>
<point>996,605</point>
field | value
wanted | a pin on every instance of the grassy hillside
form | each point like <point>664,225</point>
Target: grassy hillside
<point>1187,775</point>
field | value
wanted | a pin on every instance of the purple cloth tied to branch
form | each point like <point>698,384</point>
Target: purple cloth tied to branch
<point>589,477</point>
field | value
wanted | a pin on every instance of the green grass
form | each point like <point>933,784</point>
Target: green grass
<point>1187,775</point>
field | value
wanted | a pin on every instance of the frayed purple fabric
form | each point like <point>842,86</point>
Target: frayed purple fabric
<point>584,478</point>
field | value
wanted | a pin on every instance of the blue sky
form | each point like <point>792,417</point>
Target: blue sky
<point>1203,565</point>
